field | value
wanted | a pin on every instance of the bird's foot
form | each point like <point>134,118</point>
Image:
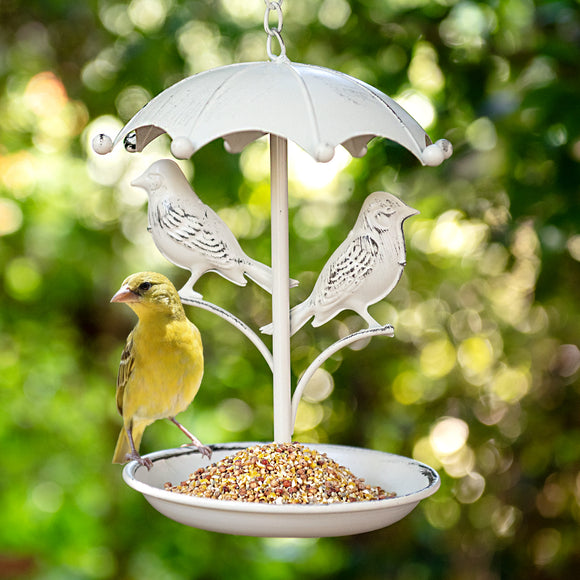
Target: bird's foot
<point>203,449</point>
<point>379,329</point>
<point>144,461</point>
<point>187,293</point>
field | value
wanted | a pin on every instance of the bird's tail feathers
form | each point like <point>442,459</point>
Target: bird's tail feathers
<point>262,275</point>
<point>123,447</point>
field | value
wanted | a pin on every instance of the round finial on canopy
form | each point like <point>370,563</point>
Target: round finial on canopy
<point>446,147</point>
<point>433,155</point>
<point>102,144</point>
<point>324,153</point>
<point>436,153</point>
<point>182,148</point>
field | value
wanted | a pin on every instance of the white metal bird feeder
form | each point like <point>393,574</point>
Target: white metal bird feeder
<point>318,109</point>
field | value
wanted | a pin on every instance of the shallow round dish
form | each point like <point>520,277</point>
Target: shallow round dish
<point>411,480</point>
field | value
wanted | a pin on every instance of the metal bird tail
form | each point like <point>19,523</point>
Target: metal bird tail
<point>123,447</point>
<point>262,275</point>
<point>299,316</point>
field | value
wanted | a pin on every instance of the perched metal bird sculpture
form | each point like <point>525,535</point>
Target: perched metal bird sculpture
<point>191,234</point>
<point>363,269</point>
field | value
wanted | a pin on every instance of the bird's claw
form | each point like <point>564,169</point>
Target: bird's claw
<point>144,461</point>
<point>203,449</point>
<point>189,294</point>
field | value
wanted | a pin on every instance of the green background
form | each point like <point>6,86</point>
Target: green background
<point>481,381</point>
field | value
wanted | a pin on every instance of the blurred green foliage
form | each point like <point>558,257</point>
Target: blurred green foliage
<point>481,381</point>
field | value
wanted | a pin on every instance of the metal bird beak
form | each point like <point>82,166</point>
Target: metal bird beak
<point>140,181</point>
<point>411,211</point>
<point>125,294</point>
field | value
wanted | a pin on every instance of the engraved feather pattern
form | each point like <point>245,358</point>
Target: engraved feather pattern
<point>189,230</point>
<point>349,271</point>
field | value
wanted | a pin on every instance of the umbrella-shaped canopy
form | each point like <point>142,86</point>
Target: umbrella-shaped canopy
<point>315,107</point>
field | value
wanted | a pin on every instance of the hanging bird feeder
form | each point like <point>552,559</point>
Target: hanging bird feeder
<point>318,109</point>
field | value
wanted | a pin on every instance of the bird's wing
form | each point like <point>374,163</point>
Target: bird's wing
<point>349,270</point>
<point>125,370</point>
<point>190,229</point>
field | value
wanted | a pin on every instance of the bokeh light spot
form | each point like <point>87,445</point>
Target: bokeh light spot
<point>17,173</point>
<point>443,513</point>
<point>470,488</point>
<point>10,217</point>
<point>45,94</point>
<point>546,544</point>
<point>234,415</point>
<point>309,416</point>
<point>149,15</point>
<point>319,387</point>
<point>312,175</point>
<point>408,387</point>
<point>23,279</point>
<point>511,384</point>
<point>47,496</point>
<point>448,435</point>
<point>419,106</point>
<point>334,13</point>
<point>504,520</point>
<point>437,358</point>
<point>424,73</point>
<point>481,134</point>
<point>573,245</point>
<point>475,354</point>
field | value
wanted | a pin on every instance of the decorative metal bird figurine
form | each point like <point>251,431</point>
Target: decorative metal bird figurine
<point>191,234</point>
<point>363,269</point>
<point>161,366</point>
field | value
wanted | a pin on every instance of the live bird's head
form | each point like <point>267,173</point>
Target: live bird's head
<point>162,174</point>
<point>150,293</point>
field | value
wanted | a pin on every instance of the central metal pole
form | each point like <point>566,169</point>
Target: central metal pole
<point>280,289</point>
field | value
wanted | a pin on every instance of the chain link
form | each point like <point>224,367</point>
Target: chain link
<point>274,32</point>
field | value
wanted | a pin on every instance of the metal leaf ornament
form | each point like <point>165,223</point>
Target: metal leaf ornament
<point>191,234</point>
<point>363,269</point>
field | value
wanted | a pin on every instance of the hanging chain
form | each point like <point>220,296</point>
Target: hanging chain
<point>274,32</point>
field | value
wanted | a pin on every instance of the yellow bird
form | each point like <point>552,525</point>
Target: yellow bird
<point>161,366</point>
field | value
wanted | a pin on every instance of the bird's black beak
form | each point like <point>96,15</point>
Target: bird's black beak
<point>125,294</point>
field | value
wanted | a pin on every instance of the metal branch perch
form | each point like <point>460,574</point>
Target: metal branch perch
<point>234,321</point>
<point>386,330</point>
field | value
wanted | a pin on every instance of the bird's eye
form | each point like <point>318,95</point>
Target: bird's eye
<point>145,286</point>
<point>155,181</point>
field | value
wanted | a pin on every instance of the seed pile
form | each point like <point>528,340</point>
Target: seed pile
<point>280,474</point>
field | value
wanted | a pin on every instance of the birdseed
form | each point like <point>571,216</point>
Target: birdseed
<point>277,473</point>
